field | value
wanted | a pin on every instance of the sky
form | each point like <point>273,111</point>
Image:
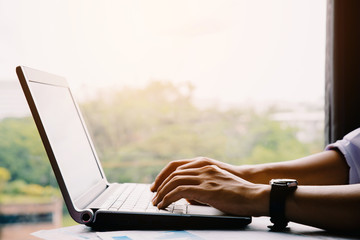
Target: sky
<point>233,52</point>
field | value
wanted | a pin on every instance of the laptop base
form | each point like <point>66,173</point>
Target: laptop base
<point>105,221</point>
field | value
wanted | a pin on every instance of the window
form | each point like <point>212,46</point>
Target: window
<point>239,81</point>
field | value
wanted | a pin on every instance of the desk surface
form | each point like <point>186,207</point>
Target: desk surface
<point>256,230</point>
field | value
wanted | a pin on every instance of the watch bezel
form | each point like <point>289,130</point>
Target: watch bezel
<point>284,182</point>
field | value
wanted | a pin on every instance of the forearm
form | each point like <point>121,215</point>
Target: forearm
<point>325,168</point>
<point>327,207</point>
<point>224,187</point>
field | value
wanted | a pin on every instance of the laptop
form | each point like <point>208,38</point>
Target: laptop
<point>89,197</point>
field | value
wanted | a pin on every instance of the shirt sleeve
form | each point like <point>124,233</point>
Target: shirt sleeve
<point>349,146</point>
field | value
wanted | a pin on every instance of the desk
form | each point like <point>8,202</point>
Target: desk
<point>256,230</point>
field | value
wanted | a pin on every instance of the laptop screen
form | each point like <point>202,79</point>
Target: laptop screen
<point>67,137</point>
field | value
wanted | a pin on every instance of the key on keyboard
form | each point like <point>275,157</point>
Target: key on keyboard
<point>137,197</point>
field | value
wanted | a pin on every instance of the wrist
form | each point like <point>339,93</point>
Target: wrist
<point>261,200</point>
<point>245,172</point>
<point>253,173</point>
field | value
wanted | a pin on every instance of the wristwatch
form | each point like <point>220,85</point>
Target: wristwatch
<point>280,190</point>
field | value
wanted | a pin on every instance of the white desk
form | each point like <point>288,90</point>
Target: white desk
<point>256,230</point>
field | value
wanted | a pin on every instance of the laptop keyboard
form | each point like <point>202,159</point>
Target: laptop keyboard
<point>137,198</point>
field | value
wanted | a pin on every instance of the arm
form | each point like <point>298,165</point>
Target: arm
<point>324,168</point>
<point>334,207</point>
<point>340,165</point>
<point>327,207</point>
<point>239,190</point>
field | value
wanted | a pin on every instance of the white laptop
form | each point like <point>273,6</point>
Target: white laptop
<point>89,197</point>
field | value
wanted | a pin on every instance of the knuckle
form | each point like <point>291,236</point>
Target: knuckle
<point>210,168</point>
<point>175,174</point>
<point>166,197</point>
<point>201,158</point>
<point>204,160</point>
<point>173,162</point>
<point>170,195</point>
<point>175,178</point>
<point>171,175</point>
<point>181,189</point>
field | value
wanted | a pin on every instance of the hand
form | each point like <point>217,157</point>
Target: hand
<point>210,185</point>
<point>191,163</point>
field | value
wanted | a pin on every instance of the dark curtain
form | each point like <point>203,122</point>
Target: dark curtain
<point>342,83</point>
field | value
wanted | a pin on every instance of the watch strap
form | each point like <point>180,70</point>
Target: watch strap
<point>278,195</point>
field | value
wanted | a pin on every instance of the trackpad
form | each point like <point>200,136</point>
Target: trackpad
<point>203,210</point>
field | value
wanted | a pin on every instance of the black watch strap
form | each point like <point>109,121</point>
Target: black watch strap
<point>280,189</point>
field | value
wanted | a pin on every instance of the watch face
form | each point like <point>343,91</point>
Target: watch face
<point>284,182</point>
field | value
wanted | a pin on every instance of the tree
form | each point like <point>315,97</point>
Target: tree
<point>22,152</point>
<point>137,131</point>
<point>4,177</point>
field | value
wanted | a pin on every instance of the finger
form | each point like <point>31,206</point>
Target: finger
<point>200,162</point>
<point>174,183</point>
<point>197,163</point>
<point>164,173</point>
<point>188,172</point>
<point>180,175</point>
<point>189,192</point>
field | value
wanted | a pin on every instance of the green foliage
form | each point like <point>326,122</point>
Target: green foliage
<point>4,178</point>
<point>4,175</point>
<point>137,131</point>
<point>19,187</point>
<point>270,141</point>
<point>20,192</point>
<point>67,220</point>
<point>22,153</point>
